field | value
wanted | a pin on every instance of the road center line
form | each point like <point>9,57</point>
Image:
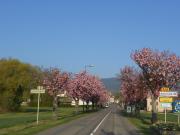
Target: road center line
<point>100,123</point>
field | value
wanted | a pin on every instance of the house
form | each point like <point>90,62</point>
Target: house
<point>111,99</point>
<point>80,102</point>
<point>64,95</point>
<point>158,105</point>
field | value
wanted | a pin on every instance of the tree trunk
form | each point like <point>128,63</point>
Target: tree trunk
<point>92,105</point>
<point>154,110</point>
<point>137,109</point>
<point>87,105</point>
<point>77,105</point>
<point>132,110</point>
<point>96,106</point>
<point>55,105</point>
<point>83,106</point>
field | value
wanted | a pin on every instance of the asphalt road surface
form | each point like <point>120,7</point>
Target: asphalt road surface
<point>106,122</point>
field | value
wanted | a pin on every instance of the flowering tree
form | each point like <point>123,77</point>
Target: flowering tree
<point>127,78</point>
<point>133,87</point>
<point>104,96</point>
<point>160,69</point>
<point>55,82</point>
<point>76,87</point>
<point>86,87</point>
<point>98,92</point>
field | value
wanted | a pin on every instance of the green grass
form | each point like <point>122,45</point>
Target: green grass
<point>171,117</point>
<point>144,127</point>
<point>144,122</point>
<point>24,123</point>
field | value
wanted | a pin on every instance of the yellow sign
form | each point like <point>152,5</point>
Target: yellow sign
<point>166,99</point>
<point>164,89</point>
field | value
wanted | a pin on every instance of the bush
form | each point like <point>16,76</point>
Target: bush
<point>45,100</point>
<point>165,128</point>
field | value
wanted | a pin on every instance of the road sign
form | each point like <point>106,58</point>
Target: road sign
<point>128,109</point>
<point>169,94</point>
<point>165,99</point>
<point>176,106</point>
<point>166,105</point>
<point>176,109</point>
<point>164,89</point>
<point>38,91</point>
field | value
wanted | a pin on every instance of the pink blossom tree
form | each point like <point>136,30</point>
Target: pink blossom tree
<point>76,87</point>
<point>133,87</point>
<point>126,79</point>
<point>86,87</point>
<point>104,97</point>
<point>97,91</point>
<point>160,69</point>
<point>55,82</point>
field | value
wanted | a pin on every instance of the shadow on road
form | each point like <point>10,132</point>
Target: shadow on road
<point>106,133</point>
<point>134,132</point>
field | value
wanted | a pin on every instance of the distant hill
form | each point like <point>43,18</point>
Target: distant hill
<point>112,84</point>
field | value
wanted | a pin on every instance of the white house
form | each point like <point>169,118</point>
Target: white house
<point>80,103</point>
<point>158,105</point>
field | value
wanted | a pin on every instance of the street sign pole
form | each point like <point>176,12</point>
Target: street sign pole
<point>38,108</point>
<point>166,98</point>
<point>38,91</point>
<point>165,115</point>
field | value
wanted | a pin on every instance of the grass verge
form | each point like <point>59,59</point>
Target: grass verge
<point>24,123</point>
<point>144,121</point>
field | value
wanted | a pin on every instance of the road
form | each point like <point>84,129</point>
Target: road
<point>105,122</point>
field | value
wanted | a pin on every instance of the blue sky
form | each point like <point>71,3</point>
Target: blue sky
<point>71,34</point>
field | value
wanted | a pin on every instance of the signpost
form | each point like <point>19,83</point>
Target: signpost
<point>165,106</point>
<point>168,94</point>
<point>128,109</point>
<point>166,98</point>
<point>38,91</point>
<point>164,89</point>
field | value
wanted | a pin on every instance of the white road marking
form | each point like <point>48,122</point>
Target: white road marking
<point>100,124</point>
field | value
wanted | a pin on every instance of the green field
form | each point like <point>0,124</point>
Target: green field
<point>24,123</point>
<point>144,122</point>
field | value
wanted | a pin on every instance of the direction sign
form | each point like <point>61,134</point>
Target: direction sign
<point>36,91</point>
<point>164,89</point>
<point>165,99</point>
<point>169,94</point>
<point>166,105</point>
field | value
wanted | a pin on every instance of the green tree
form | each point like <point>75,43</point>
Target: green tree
<point>17,98</point>
<point>16,80</point>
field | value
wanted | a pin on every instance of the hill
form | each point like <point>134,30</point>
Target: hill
<point>112,84</point>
